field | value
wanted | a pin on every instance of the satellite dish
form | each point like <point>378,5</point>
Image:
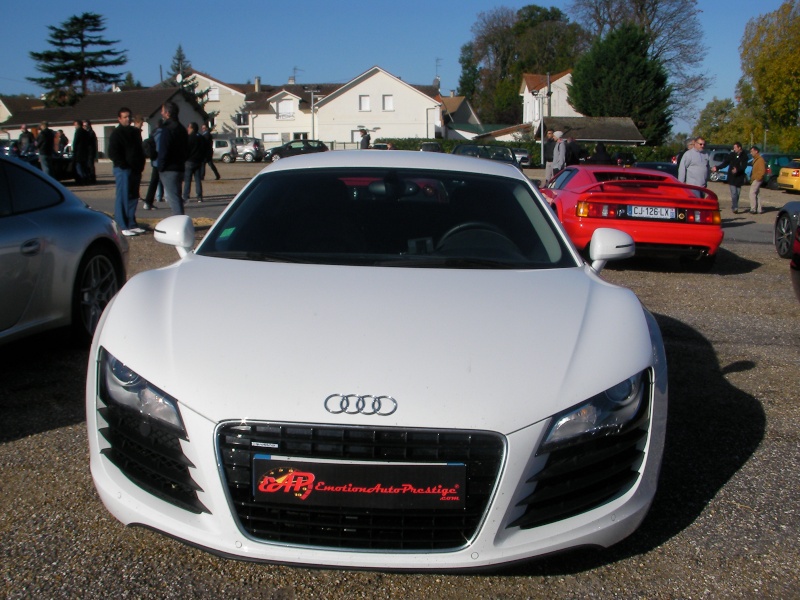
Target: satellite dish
<point>179,78</point>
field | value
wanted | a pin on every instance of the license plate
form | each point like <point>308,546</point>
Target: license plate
<point>284,480</point>
<point>651,212</point>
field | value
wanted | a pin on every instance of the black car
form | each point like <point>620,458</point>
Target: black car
<point>295,147</point>
<point>11,148</point>
<point>665,167</point>
<point>794,266</point>
<point>430,147</point>
<point>624,159</point>
<point>498,153</point>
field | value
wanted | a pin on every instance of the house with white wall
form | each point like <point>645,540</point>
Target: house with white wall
<point>102,108</point>
<point>376,100</point>
<point>545,96</point>
<point>226,100</point>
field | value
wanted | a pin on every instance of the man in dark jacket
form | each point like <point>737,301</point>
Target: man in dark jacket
<point>45,145</point>
<point>80,152</point>
<point>736,162</point>
<point>173,149</point>
<point>125,152</point>
<point>205,132</point>
<point>194,163</point>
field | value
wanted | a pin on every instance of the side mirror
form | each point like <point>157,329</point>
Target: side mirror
<point>609,244</point>
<point>177,231</point>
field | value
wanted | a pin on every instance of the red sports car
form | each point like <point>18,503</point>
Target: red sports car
<point>663,216</point>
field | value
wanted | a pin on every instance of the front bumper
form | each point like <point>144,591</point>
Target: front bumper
<point>503,531</point>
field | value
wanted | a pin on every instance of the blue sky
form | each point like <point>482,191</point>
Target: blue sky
<point>316,40</point>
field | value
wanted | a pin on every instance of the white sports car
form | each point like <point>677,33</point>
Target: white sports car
<point>386,360</point>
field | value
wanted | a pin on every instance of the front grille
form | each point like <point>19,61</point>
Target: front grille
<point>360,528</point>
<point>579,478</point>
<point>150,455</point>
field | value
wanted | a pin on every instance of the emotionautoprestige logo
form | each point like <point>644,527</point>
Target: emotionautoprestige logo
<point>411,486</point>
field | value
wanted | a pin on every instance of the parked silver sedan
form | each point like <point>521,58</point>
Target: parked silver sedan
<point>61,262</point>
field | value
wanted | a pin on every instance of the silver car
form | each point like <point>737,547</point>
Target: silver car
<point>250,149</point>
<point>61,262</point>
<point>225,150</point>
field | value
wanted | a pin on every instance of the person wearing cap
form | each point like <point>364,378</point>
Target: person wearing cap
<point>559,153</point>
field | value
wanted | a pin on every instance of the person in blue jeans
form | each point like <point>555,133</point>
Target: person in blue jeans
<point>125,153</point>
<point>195,160</point>
<point>173,149</point>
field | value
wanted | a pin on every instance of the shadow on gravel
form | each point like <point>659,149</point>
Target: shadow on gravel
<point>727,263</point>
<point>43,380</point>
<point>712,430</point>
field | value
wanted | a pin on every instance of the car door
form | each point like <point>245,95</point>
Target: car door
<point>26,257</point>
<point>296,147</point>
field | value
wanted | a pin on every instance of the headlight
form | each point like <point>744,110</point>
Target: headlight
<point>604,414</point>
<point>124,387</point>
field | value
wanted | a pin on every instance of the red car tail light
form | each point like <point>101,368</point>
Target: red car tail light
<point>598,210</point>
<point>703,217</point>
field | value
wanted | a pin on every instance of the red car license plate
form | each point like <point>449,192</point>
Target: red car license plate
<point>651,212</point>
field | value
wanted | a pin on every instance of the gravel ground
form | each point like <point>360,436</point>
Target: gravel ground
<point>725,521</point>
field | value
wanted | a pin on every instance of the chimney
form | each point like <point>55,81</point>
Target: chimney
<point>258,84</point>
<point>291,80</point>
<point>452,93</point>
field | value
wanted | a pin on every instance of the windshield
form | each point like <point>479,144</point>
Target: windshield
<point>389,217</point>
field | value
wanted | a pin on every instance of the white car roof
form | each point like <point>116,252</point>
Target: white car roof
<point>397,158</point>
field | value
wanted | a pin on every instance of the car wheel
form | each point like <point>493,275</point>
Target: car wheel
<point>702,264</point>
<point>248,157</point>
<point>714,176</point>
<point>227,158</point>
<point>784,233</point>
<point>772,184</point>
<point>97,281</point>
<point>275,158</point>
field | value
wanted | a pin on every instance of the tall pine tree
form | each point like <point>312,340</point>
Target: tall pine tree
<point>617,78</point>
<point>181,75</point>
<point>79,56</point>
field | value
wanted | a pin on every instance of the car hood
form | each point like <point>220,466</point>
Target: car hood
<point>480,349</point>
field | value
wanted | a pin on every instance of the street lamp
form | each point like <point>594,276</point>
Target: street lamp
<point>313,91</point>
<point>540,105</point>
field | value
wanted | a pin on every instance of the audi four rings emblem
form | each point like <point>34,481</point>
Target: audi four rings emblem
<point>353,404</point>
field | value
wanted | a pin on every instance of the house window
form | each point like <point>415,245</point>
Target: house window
<point>285,110</point>
<point>363,103</point>
<point>241,119</point>
<point>213,94</point>
<point>388,102</point>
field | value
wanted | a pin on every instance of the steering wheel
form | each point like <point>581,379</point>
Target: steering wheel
<point>466,226</point>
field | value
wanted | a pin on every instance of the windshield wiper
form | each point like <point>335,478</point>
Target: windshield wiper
<point>449,262</point>
<point>259,256</point>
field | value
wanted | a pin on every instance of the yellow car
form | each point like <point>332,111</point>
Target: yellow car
<point>789,176</point>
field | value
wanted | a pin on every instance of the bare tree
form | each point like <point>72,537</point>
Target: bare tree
<point>675,39</point>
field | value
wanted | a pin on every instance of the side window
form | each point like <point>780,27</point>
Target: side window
<point>562,178</point>
<point>5,193</point>
<point>29,192</point>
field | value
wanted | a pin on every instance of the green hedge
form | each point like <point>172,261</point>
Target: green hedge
<point>642,153</point>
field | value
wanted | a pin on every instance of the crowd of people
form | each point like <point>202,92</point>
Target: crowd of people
<point>178,156</point>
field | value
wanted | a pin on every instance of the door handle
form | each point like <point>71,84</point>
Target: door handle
<point>31,247</point>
